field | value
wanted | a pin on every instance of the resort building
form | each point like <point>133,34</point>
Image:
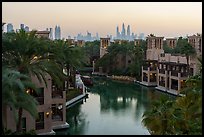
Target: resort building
<point>149,69</point>
<point>165,71</point>
<point>80,43</point>
<point>70,42</point>
<point>51,107</point>
<point>104,43</point>
<point>171,73</point>
<point>44,34</point>
<point>171,42</point>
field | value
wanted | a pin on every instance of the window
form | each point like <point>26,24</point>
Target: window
<point>39,123</point>
<point>39,96</point>
<point>23,124</point>
<point>57,114</point>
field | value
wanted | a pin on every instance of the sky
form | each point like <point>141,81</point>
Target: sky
<point>168,19</point>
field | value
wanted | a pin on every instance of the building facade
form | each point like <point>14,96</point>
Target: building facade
<point>165,71</point>
<point>104,43</point>
<point>10,28</point>
<point>51,106</point>
<point>57,32</point>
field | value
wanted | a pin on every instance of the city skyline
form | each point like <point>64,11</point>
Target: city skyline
<point>168,19</point>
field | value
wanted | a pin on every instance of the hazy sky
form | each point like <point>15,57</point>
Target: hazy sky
<point>168,19</point>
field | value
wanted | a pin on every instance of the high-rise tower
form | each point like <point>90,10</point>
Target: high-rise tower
<point>128,32</point>
<point>51,34</point>
<point>57,32</point>
<point>117,33</point>
<point>123,31</point>
<point>9,27</point>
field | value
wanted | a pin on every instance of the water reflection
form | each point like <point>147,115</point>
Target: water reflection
<point>113,108</point>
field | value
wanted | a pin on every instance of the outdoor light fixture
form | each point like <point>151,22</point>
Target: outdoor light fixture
<point>28,90</point>
<point>47,114</point>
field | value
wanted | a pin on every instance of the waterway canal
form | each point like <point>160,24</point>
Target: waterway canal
<point>112,108</point>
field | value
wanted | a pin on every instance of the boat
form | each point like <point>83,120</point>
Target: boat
<point>87,80</point>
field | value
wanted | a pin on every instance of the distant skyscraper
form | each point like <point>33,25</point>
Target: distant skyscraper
<point>117,33</point>
<point>57,32</point>
<point>141,36</point>
<point>128,32</point>
<point>51,34</point>
<point>27,29</point>
<point>22,26</point>
<point>10,27</point>
<point>88,36</point>
<point>97,37</point>
<point>123,31</point>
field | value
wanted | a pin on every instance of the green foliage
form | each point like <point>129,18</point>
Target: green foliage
<point>92,51</point>
<point>73,93</point>
<point>183,116</point>
<point>14,86</point>
<point>25,55</point>
<point>136,53</point>
<point>167,49</point>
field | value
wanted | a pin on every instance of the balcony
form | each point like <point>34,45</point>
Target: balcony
<point>162,71</point>
<point>162,83</point>
<point>57,115</point>
<point>57,94</point>
<point>153,68</point>
<point>174,73</point>
<point>145,67</point>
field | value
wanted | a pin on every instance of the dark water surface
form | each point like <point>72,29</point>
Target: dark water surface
<point>112,108</point>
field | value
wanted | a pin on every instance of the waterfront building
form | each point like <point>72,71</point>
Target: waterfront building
<point>165,71</point>
<point>51,108</point>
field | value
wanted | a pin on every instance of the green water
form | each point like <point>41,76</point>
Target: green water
<point>112,108</point>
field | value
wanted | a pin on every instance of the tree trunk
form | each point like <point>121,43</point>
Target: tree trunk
<point>188,65</point>
<point>19,125</point>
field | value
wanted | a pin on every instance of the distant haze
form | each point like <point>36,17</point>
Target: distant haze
<point>168,19</point>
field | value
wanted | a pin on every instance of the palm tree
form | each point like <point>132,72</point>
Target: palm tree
<point>189,108</point>
<point>159,117</point>
<point>30,56</point>
<point>69,57</point>
<point>137,57</point>
<point>14,85</point>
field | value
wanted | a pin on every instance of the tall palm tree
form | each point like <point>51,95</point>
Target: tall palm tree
<point>30,56</point>
<point>68,56</point>
<point>158,118</point>
<point>14,85</point>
